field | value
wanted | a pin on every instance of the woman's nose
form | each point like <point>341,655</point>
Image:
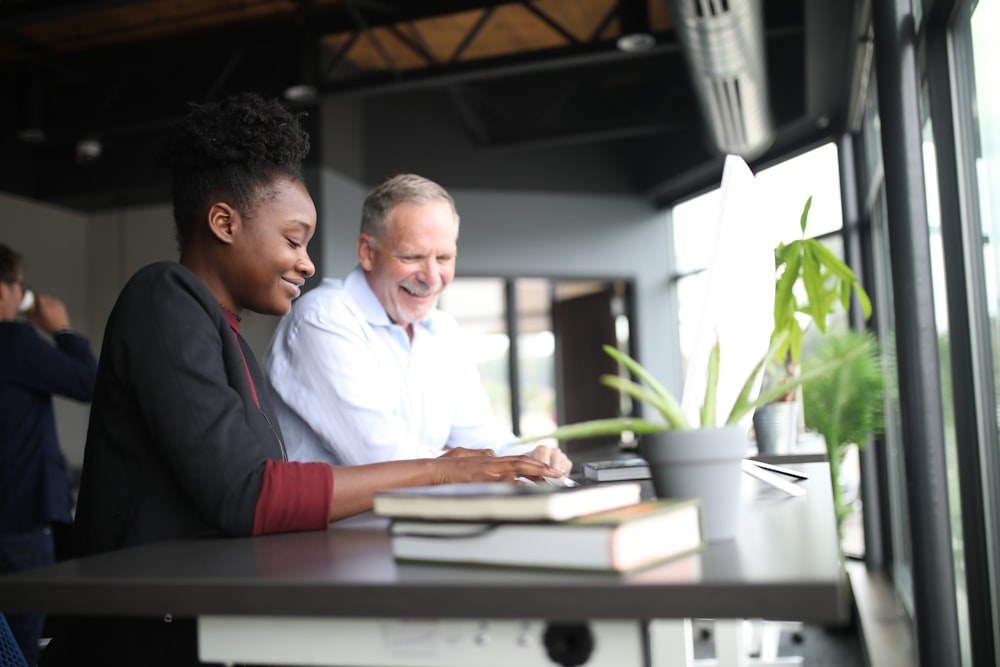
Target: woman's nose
<point>305,267</point>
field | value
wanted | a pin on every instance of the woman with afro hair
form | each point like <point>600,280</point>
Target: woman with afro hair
<point>182,441</point>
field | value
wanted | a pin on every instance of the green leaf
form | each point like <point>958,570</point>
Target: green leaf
<point>784,251</point>
<point>667,405</point>
<point>743,402</point>
<point>826,257</point>
<point>845,295</point>
<point>806,376</point>
<point>664,401</point>
<point>866,304</point>
<point>844,273</point>
<point>596,428</point>
<point>784,297</point>
<point>794,347</point>
<point>711,387</point>
<point>846,406</point>
<point>813,282</point>
<point>805,215</point>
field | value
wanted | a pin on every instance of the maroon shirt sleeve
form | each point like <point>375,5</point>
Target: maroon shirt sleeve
<point>293,496</point>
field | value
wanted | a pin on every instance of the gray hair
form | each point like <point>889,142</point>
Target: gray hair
<point>403,188</point>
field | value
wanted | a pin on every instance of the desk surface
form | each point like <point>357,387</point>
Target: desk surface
<point>784,564</point>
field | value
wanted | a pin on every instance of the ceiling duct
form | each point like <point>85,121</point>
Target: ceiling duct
<point>723,43</point>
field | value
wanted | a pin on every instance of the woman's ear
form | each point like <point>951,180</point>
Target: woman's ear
<point>222,221</point>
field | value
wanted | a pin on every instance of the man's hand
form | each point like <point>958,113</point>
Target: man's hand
<point>552,456</point>
<point>49,314</point>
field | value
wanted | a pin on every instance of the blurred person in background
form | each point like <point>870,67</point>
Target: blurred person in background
<point>36,496</point>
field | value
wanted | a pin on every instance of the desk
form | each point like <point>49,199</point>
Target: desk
<point>784,564</point>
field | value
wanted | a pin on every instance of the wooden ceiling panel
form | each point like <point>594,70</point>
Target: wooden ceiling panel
<point>511,29</point>
<point>156,19</point>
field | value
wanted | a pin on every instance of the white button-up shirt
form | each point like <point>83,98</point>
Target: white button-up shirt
<point>352,388</point>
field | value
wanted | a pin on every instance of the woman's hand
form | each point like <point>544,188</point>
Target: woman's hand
<point>354,487</point>
<point>458,452</point>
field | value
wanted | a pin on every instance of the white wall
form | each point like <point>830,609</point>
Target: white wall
<point>575,236</point>
<point>87,260</point>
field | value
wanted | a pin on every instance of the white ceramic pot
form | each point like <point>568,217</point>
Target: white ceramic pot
<point>705,463</point>
<point>776,427</point>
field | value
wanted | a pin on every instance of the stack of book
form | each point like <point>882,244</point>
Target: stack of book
<point>602,527</point>
<point>614,470</point>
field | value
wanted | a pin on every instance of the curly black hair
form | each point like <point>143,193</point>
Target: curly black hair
<point>234,150</point>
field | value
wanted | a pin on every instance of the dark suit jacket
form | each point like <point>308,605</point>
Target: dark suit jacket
<point>34,482</point>
<point>176,446</point>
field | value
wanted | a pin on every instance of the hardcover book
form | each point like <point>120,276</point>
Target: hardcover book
<point>618,540</point>
<point>503,502</point>
<point>616,470</point>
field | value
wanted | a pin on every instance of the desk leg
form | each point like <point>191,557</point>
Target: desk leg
<point>730,643</point>
<point>671,643</point>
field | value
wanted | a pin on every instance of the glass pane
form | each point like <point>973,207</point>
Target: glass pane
<point>985,23</point>
<point>902,558</point>
<point>536,356</point>
<point>939,287</point>
<point>785,187</point>
<point>478,304</point>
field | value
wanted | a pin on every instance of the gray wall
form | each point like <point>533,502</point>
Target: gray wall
<point>85,260</point>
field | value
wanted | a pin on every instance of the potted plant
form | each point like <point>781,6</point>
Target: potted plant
<point>845,404</point>
<point>692,460</point>
<point>826,282</point>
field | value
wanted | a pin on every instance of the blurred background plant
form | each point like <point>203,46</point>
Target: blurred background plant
<point>845,404</point>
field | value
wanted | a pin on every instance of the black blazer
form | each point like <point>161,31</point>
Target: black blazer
<point>176,445</point>
<point>176,448</point>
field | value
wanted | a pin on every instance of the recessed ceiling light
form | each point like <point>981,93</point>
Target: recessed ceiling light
<point>300,93</point>
<point>31,135</point>
<point>636,41</point>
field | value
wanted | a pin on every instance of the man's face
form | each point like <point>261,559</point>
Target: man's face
<point>10,299</point>
<point>414,262</point>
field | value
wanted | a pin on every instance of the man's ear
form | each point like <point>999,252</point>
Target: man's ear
<point>366,251</point>
<point>222,221</point>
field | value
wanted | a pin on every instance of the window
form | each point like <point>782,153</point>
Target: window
<point>530,389</point>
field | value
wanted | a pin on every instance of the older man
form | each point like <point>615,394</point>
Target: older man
<point>368,369</point>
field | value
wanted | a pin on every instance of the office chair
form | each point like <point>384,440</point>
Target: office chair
<point>10,652</point>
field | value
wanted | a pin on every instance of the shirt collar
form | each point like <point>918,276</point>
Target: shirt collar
<point>234,322</point>
<point>357,286</point>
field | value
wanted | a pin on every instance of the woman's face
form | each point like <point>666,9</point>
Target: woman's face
<point>270,263</point>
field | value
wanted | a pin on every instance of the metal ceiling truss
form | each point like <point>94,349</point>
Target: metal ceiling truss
<point>107,90</point>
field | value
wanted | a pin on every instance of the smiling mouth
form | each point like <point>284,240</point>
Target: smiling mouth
<point>420,294</point>
<point>295,287</point>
